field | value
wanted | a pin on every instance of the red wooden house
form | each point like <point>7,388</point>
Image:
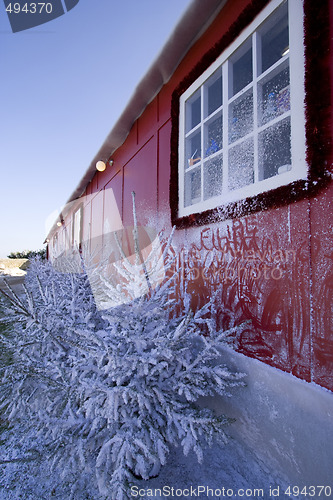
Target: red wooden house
<point>228,137</point>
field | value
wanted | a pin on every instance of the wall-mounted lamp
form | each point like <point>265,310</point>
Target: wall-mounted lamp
<point>101,165</point>
<point>59,223</point>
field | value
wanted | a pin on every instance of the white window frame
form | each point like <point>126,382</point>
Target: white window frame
<point>297,115</point>
<point>55,244</point>
<point>77,227</point>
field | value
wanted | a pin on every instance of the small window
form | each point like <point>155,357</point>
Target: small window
<point>77,227</point>
<point>55,244</point>
<point>241,125</point>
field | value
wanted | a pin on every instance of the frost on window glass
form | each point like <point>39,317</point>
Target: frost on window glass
<point>241,117</point>
<point>192,186</point>
<point>241,165</point>
<point>274,92</point>
<point>275,150</point>
<point>213,177</point>
<point>241,134</point>
<point>213,135</point>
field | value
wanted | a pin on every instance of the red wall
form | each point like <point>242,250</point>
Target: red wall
<point>275,266</point>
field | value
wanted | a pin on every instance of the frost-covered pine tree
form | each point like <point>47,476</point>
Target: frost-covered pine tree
<point>104,394</point>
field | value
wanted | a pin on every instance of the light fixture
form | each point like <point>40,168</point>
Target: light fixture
<point>285,51</point>
<point>101,165</point>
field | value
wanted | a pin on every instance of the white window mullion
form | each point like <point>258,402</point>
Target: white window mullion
<point>297,92</point>
<point>255,104</point>
<point>225,96</point>
<point>181,156</point>
<point>202,142</point>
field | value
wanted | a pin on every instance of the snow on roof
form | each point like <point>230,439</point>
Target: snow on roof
<point>194,22</point>
<point>196,19</point>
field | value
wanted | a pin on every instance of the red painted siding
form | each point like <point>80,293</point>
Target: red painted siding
<point>140,175</point>
<point>321,220</point>
<point>275,266</point>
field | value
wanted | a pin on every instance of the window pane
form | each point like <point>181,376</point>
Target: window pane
<point>275,38</point>
<point>192,187</point>
<point>240,68</point>
<point>275,150</point>
<point>241,117</point>
<point>213,93</point>
<point>275,96</point>
<point>240,169</point>
<point>193,149</point>
<point>213,177</point>
<point>193,111</point>
<point>213,135</point>
<point>77,228</point>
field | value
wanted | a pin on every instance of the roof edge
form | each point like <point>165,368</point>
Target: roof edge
<point>194,22</point>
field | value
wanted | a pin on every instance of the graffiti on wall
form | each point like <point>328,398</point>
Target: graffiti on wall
<point>282,284</point>
<point>253,277</point>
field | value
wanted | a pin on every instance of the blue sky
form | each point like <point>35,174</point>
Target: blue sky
<point>62,87</point>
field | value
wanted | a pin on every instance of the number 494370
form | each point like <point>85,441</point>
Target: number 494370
<point>310,491</point>
<point>29,8</point>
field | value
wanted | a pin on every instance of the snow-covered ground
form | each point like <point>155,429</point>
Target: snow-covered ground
<point>229,471</point>
<point>14,271</point>
<point>12,267</point>
<point>282,434</point>
<point>11,272</point>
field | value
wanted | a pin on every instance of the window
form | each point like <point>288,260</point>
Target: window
<point>77,227</point>
<point>55,245</point>
<point>241,124</point>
